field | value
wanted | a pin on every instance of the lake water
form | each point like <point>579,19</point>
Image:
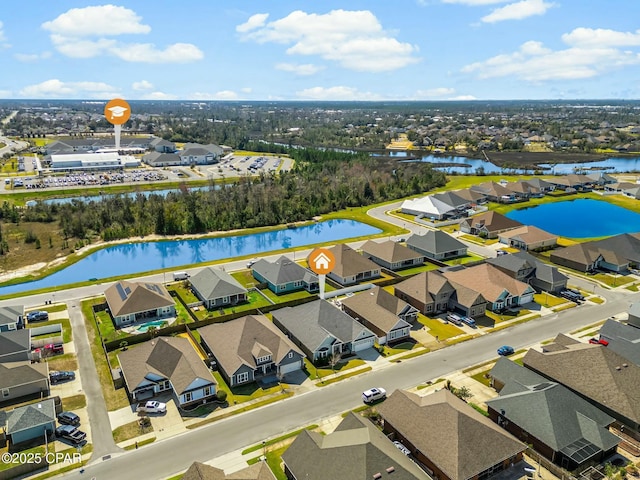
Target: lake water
<point>579,218</point>
<point>132,258</point>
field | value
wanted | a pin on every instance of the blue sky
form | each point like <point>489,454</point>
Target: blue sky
<point>330,50</point>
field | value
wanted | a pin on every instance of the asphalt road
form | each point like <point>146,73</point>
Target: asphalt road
<point>165,458</point>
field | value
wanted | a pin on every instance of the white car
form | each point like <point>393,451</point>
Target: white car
<point>151,407</point>
<point>374,394</point>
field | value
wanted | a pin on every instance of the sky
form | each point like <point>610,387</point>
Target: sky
<point>374,50</point>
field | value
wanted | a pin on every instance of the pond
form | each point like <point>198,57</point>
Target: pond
<point>132,258</point>
<point>580,218</point>
<point>97,198</point>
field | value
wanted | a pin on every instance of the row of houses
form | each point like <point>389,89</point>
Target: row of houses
<point>618,253</point>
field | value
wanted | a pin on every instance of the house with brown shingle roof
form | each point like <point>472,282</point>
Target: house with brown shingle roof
<point>249,348</point>
<point>202,471</point>
<point>528,237</point>
<point>383,313</point>
<point>167,364</point>
<point>472,196</point>
<point>448,436</point>
<point>495,192</point>
<point>616,254</point>
<point>498,288</point>
<point>488,224</point>
<point>601,376</point>
<point>351,267</point>
<point>132,301</point>
<point>391,255</point>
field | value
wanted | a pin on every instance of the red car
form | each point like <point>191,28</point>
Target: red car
<point>595,341</point>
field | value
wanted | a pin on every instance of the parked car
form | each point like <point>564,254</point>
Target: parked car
<point>69,418</point>
<point>469,321</point>
<point>151,407</point>
<point>251,262</point>
<point>402,448</point>
<point>374,394</point>
<point>505,350</point>
<point>454,318</point>
<point>38,316</point>
<point>596,341</point>
<point>71,433</point>
<point>61,376</point>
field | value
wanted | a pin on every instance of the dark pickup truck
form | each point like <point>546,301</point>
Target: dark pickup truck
<point>71,433</point>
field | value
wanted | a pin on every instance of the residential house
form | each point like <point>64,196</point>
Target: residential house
<point>432,293</point>
<point>572,182</point>
<point>355,450</point>
<point>351,267</point>
<point>488,224</point>
<point>438,206</point>
<point>216,288</point>
<point>541,185</point>
<point>162,146</point>
<point>383,313</point>
<point>391,255</point>
<point>599,375</point>
<point>619,187</point>
<point>202,471</point>
<point>498,288</point>
<point>437,245</point>
<point>130,302</point>
<point>447,436</point>
<point>528,237</point>
<point>496,192</point>
<point>196,154</point>
<point>167,364</point>
<point>322,330</point>
<point>249,348</point>
<point>31,422</point>
<point>473,197</point>
<point>601,178</point>
<point>634,315</point>
<point>526,268</point>
<point>23,379</point>
<point>11,317</point>
<point>617,254</point>
<point>623,339</point>
<point>15,345</point>
<point>560,425</point>
<point>161,159</point>
<point>524,189</point>
<point>284,276</point>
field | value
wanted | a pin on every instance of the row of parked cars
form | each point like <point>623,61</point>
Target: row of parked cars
<point>68,429</point>
<point>573,295</point>
<point>461,319</point>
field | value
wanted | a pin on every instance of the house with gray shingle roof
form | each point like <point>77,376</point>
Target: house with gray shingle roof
<point>249,348</point>
<point>11,317</point>
<point>355,450</point>
<point>216,288</point>
<point>23,379</point>
<point>202,471</point>
<point>194,153</point>
<point>351,267</point>
<point>15,345</point>
<point>167,364</point>
<point>284,276</point>
<point>616,254</point>
<point>448,436</point>
<point>385,314</point>
<point>560,425</point>
<point>623,339</point>
<point>161,145</point>
<point>31,422</point>
<point>437,244</point>
<point>526,268</point>
<point>161,159</point>
<point>130,302</point>
<point>599,375</point>
<point>634,315</point>
<point>391,255</point>
<point>321,330</point>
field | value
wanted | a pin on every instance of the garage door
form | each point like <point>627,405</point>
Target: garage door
<point>360,345</point>
<point>526,298</point>
<point>290,367</point>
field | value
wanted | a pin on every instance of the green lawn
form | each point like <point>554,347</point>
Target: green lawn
<point>505,316</point>
<point>130,430</point>
<point>285,297</point>
<point>399,348</point>
<point>469,257</point>
<point>108,330</point>
<point>243,393</point>
<point>245,278</point>
<point>316,373</point>
<point>66,328</point>
<point>185,293</point>
<point>612,280</point>
<point>74,402</point>
<point>256,300</point>
<point>479,240</point>
<point>414,270</point>
<point>548,300</point>
<point>480,377</point>
<point>438,328</point>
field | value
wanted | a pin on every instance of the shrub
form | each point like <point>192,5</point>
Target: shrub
<point>222,395</point>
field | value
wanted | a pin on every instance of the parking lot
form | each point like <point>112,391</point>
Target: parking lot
<point>246,165</point>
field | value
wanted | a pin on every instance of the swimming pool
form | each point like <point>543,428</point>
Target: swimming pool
<point>146,326</point>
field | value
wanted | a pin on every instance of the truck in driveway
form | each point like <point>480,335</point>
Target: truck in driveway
<point>71,433</point>
<point>151,407</point>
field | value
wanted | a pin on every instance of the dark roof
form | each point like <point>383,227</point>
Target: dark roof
<point>172,358</point>
<point>15,341</point>
<point>623,339</point>
<point>236,342</point>
<point>390,251</point>
<point>202,471</point>
<point>379,307</point>
<point>312,322</point>
<point>126,297</point>
<point>425,286</point>
<point>18,373</point>
<point>159,157</point>
<point>594,371</point>
<point>29,416</point>
<point>9,314</point>
<point>553,414</point>
<point>458,440</point>
<point>514,262</point>
<point>435,241</point>
<point>451,198</point>
<point>283,271</point>
<point>212,283</point>
<point>356,450</point>
<point>617,250</point>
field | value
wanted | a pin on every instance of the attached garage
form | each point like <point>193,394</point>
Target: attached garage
<point>363,344</point>
<point>290,367</point>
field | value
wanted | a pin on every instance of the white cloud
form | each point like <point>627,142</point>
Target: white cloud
<point>255,21</point>
<point>221,95</point>
<point>2,37</point>
<point>85,33</point>
<point>601,37</point>
<point>305,69</point>
<point>6,94</point>
<point>142,85</point>
<point>463,98</point>
<point>55,88</point>
<point>335,93</point>
<point>535,63</point>
<point>31,57</point>
<point>158,96</point>
<point>474,3</point>
<point>435,92</point>
<point>518,11</point>
<point>246,90</point>
<point>353,39</point>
